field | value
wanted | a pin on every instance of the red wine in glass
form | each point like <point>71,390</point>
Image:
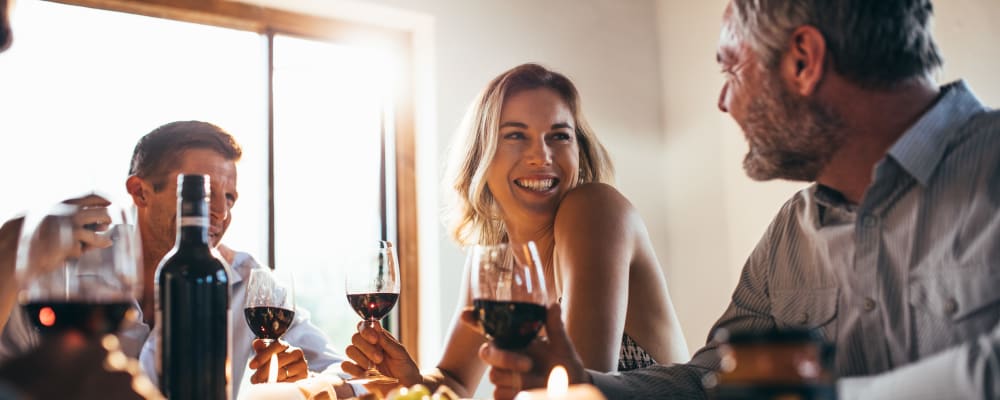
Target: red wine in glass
<point>372,290</point>
<point>268,323</point>
<point>508,292</point>
<point>373,306</point>
<point>270,303</point>
<point>511,325</point>
<point>93,319</point>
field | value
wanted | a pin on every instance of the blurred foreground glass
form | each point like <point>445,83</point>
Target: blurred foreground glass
<point>773,365</point>
<point>508,292</point>
<point>68,283</point>
<point>372,289</point>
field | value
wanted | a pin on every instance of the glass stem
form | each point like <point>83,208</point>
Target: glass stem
<point>372,367</point>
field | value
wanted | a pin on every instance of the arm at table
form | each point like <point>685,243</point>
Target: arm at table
<point>969,371</point>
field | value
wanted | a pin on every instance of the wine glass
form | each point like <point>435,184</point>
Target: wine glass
<point>508,293</point>
<point>270,303</point>
<point>78,267</point>
<point>372,289</point>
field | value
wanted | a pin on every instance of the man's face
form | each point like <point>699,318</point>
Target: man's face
<point>161,207</point>
<point>790,136</point>
<point>5,32</point>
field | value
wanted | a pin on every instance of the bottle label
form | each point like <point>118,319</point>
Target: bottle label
<point>195,221</point>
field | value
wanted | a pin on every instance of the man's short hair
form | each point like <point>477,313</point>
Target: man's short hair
<point>874,43</point>
<point>156,154</point>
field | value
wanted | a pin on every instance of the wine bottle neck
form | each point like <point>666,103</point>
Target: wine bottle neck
<point>192,222</point>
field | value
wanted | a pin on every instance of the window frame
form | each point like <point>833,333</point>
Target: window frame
<point>268,22</point>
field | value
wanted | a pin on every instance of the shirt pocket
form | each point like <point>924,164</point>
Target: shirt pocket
<point>965,300</point>
<point>805,308</point>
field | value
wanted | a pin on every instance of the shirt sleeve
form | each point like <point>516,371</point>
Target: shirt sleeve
<point>970,371</point>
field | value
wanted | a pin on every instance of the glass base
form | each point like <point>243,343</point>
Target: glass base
<point>372,378</point>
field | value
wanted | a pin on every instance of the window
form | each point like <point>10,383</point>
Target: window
<point>316,119</point>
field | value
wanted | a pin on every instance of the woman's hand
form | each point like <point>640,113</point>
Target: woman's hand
<point>372,344</point>
<point>292,365</point>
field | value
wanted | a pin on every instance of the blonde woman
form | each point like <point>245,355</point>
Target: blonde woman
<point>527,167</point>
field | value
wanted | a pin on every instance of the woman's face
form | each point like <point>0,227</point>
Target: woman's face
<point>537,158</point>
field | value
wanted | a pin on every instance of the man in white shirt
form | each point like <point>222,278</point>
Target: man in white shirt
<point>195,147</point>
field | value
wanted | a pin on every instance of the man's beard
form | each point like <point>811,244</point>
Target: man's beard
<point>790,137</point>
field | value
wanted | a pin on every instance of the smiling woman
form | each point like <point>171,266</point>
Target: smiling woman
<point>528,168</point>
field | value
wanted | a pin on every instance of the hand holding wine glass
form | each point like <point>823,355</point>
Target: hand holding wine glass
<point>372,290</point>
<point>270,312</point>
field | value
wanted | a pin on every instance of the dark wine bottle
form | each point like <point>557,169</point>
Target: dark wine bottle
<point>193,291</point>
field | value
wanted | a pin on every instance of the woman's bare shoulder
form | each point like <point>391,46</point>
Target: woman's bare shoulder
<point>591,201</point>
<point>596,213</point>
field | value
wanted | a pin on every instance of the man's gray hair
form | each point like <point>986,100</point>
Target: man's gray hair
<point>874,43</point>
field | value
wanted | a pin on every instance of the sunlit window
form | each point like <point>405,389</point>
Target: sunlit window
<point>80,86</point>
<point>329,102</point>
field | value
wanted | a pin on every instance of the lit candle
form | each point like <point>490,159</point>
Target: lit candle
<point>558,388</point>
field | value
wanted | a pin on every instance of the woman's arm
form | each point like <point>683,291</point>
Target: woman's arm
<point>595,245</point>
<point>460,368</point>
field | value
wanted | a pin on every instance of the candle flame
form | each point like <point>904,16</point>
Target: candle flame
<point>558,382</point>
<point>272,369</point>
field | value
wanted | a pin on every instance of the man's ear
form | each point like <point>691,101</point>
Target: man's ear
<point>137,189</point>
<point>803,64</point>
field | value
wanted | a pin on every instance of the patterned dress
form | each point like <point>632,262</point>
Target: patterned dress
<point>632,356</point>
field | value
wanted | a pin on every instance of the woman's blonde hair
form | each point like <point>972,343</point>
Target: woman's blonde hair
<point>474,216</point>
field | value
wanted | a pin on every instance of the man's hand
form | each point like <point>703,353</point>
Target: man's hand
<point>529,368</point>
<point>292,365</point>
<point>372,344</point>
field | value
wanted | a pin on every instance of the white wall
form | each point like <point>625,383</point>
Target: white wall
<point>646,70</point>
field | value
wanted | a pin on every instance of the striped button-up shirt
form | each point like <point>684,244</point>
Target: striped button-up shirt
<point>906,284</point>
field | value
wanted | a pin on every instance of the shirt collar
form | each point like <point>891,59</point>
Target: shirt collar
<point>242,263</point>
<point>922,147</point>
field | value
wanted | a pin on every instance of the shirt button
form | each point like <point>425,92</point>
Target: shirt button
<point>951,306</point>
<point>869,304</point>
<point>869,221</point>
